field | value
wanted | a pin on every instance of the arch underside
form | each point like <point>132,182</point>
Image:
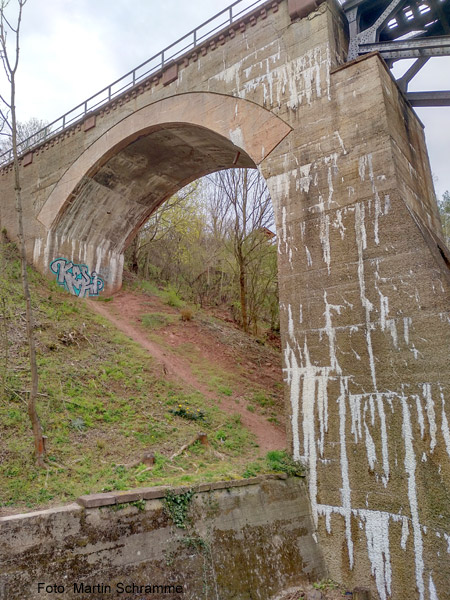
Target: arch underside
<point>116,198</point>
<point>121,177</point>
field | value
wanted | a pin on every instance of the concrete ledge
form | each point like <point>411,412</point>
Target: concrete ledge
<point>222,485</point>
<point>136,494</point>
<point>96,500</point>
<point>152,493</point>
<point>48,512</point>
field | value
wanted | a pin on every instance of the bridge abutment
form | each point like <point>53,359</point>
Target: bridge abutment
<point>364,293</point>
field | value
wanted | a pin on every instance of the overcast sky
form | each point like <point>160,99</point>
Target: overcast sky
<point>70,49</point>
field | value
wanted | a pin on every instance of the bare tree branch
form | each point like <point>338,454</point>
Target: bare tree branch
<point>39,440</point>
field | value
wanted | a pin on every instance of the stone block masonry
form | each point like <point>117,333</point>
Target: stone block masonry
<point>364,273</point>
<point>242,540</point>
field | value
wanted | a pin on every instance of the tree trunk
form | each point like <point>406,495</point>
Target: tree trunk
<point>5,341</point>
<point>39,444</point>
<point>39,440</point>
<point>134,255</point>
<point>243,294</point>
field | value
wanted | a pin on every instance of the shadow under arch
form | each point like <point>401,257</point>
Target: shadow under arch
<point>109,192</point>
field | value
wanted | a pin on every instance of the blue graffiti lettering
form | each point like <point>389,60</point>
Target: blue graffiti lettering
<point>76,279</point>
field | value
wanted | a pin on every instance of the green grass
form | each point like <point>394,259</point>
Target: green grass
<point>275,461</point>
<point>157,320</point>
<point>168,294</point>
<point>102,403</point>
<point>170,297</point>
<point>223,382</point>
<point>261,398</point>
<point>102,406</point>
<point>148,287</point>
<point>280,461</point>
<point>225,390</point>
<point>326,584</point>
<point>103,416</point>
<point>232,436</point>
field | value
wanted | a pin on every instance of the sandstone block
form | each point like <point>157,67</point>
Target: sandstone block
<point>96,500</point>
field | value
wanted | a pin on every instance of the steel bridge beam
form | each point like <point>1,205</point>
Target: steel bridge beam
<point>411,72</point>
<point>411,48</point>
<point>429,98</point>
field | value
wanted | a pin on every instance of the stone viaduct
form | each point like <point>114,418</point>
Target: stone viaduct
<point>363,267</point>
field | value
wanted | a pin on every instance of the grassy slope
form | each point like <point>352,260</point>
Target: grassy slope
<point>102,403</point>
<point>260,394</point>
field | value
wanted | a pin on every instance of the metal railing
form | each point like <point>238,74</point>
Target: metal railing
<point>194,39</point>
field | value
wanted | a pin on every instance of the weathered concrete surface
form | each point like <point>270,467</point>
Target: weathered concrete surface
<point>244,542</point>
<point>366,334</point>
<point>363,273</point>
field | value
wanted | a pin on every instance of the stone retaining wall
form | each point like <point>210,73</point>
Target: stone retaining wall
<point>240,539</point>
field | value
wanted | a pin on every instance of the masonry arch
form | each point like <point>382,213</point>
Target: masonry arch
<point>106,195</point>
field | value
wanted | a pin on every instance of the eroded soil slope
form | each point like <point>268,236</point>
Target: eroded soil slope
<point>209,356</point>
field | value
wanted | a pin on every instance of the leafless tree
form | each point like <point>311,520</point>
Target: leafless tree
<point>29,133</point>
<point>10,58</point>
<point>243,214</point>
<point>212,243</point>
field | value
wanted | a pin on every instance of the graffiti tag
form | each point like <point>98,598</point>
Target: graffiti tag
<point>76,279</point>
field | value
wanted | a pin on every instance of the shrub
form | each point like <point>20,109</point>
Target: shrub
<point>171,298</point>
<point>193,414</point>
<point>186,314</point>
<point>280,461</point>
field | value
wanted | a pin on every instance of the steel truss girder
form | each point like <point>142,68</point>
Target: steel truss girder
<point>421,48</point>
<point>404,80</point>
<point>411,48</point>
<point>429,98</point>
<point>369,35</point>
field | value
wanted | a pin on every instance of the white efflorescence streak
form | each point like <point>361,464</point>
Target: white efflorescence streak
<point>345,490</point>
<point>361,242</point>
<point>410,468</point>
<point>377,535</point>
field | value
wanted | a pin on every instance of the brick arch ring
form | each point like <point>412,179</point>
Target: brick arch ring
<point>247,125</point>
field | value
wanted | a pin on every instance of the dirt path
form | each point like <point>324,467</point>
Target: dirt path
<point>125,313</point>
